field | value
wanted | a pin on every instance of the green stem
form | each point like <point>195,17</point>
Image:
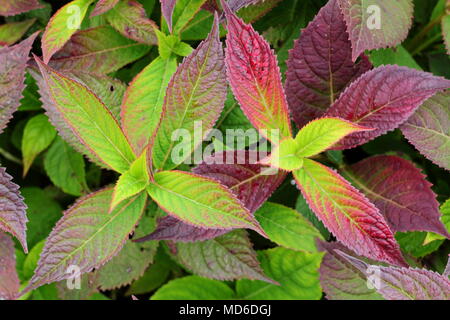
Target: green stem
<point>426,44</point>
<point>9,156</point>
<point>417,41</point>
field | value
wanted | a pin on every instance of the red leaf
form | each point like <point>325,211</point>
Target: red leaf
<point>13,216</point>
<point>255,77</point>
<point>320,65</point>
<point>9,281</point>
<point>13,7</point>
<point>103,6</point>
<point>383,98</point>
<point>400,191</point>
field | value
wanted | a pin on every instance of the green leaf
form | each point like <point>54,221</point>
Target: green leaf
<point>184,11</point>
<point>132,181</point>
<point>445,210</point>
<point>171,44</point>
<point>87,236</point>
<point>302,207</point>
<point>194,288</point>
<point>288,228</point>
<point>143,101</point>
<point>37,136</point>
<point>65,168</point>
<point>198,27</point>
<point>284,156</point>
<point>200,201</point>
<point>62,26</point>
<point>89,119</point>
<point>446,30</point>
<point>297,273</point>
<point>398,55</point>
<point>414,243</point>
<point>11,32</point>
<point>31,260</point>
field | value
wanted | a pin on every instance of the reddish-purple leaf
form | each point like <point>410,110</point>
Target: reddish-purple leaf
<point>428,129</point>
<point>13,7</point>
<point>254,77</point>
<point>103,6</point>
<point>320,65</point>
<point>13,61</point>
<point>395,283</point>
<point>236,5</point>
<point>339,279</point>
<point>347,213</point>
<point>9,281</point>
<point>446,272</point>
<point>243,177</point>
<point>167,11</point>
<point>400,191</point>
<point>383,99</point>
<point>13,216</point>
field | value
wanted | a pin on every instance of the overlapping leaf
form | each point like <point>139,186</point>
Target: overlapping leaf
<point>143,101</point>
<point>428,129</point>
<point>167,11</point>
<point>183,12</point>
<point>383,99</point>
<point>13,31</point>
<point>13,217</point>
<point>375,24</point>
<point>103,6</point>
<point>87,236</point>
<point>395,283</point>
<point>88,119</point>
<point>195,94</point>
<point>13,7</point>
<point>320,65</point>
<point>13,62</point>
<point>228,257</point>
<point>354,221</point>
<point>62,26</point>
<point>97,50</point>
<point>400,191</point>
<point>129,18</point>
<point>200,201</point>
<point>339,279</point>
<point>9,281</point>
<point>255,77</point>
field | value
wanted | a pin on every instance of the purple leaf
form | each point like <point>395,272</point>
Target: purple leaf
<point>103,6</point>
<point>428,129</point>
<point>13,7</point>
<point>383,99</point>
<point>400,191</point>
<point>320,65</point>
<point>395,283</point>
<point>9,281</point>
<point>167,11</point>
<point>13,216</point>
<point>13,61</point>
<point>446,272</point>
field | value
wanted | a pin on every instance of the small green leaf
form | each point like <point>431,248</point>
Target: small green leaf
<point>284,156</point>
<point>37,136</point>
<point>31,260</point>
<point>288,228</point>
<point>184,11</point>
<point>11,32</point>
<point>172,44</point>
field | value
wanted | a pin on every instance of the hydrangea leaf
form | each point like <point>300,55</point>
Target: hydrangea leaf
<point>446,31</point>
<point>87,236</point>
<point>374,24</point>
<point>383,99</point>
<point>143,101</point>
<point>37,136</point>
<point>428,129</point>
<point>284,156</point>
<point>228,257</point>
<point>296,272</point>
<point>167,7</point>
<point>254,77</point>
<point>200,201</point>
<point>183,13</point>
<point>347,213</point>
<point>339,279</point>
<point>9,281</point>
<point>13,216</point>
<point>395,283</point>
<point>11,32</point>
<point>445,210</point>
<point>14,7</point>
<point>400,191</point>
<point>129,18</point>
<point>194,288</point>
<point>195,94</point>
<point>13,61</point>
<point>89,119</point>
<point>101,50</point>
<point>103,6</point>
<point>320,65</point>
<point>62,26</point>
<point>288,228</point>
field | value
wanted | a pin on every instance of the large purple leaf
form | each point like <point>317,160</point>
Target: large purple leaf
<point>400,191</point>
<point>395,283</point>
<point>9,281</point>
<point>428,129</point>
<point>243,178</point>
<point>13,216</point>
<point>167,11</point>
<point>13,61</point>
<point>320,65</point>
<point>339,279</point>
<point>383,99</point>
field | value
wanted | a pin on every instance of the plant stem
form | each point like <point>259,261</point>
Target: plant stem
<point>416,42</point>
<point>9,156</point>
